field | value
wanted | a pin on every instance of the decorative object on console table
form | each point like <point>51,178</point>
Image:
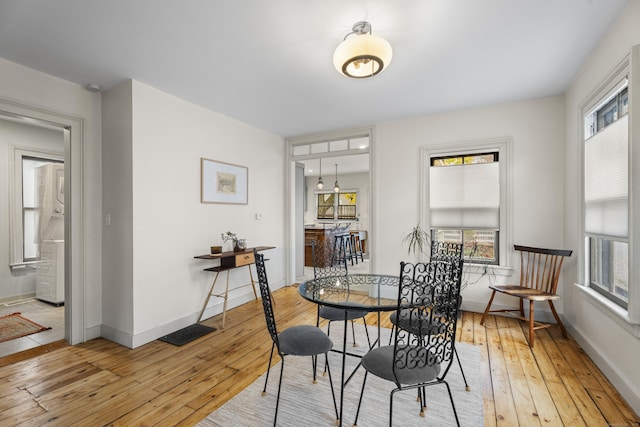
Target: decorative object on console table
<point>239,245</point>
<point>223,182</point>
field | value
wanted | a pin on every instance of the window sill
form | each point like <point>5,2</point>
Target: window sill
<point>610,309</point>
<point>23,265</point>
<point>496,270</point>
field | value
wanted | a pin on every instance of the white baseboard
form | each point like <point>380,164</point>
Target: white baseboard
<point>133,341</point>
<point>116,336</point>
<point>628,391</point>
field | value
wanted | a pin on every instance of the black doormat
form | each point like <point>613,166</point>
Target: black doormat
<point>188,334</point>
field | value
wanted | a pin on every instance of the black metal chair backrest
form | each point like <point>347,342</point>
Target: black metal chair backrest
<point>265,293</point>
<point>325,261</point>
<point>445,249</point>
<point>449,252</point>
<point>428,299</point>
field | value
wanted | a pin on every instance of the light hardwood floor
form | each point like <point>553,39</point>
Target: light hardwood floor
<point>102,383</point>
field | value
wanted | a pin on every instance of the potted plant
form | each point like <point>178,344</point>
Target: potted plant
<point>417,240</point>
<point>239,245</point>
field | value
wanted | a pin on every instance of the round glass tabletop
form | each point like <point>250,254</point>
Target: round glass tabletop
<point>373,292</point>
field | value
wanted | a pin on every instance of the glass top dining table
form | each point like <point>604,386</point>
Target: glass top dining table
<point>371,292</point>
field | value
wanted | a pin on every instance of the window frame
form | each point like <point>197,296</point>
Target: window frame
<point>336,205</point>
<point>609,293</point>
<point>467,259</point>
<point>628,318</point>
<point>600,100</point>
<point>501,145</point>
<point>16,210</point>
<point>440,162</point>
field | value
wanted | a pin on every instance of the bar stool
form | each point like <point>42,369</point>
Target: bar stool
<point>356,247</point>
<point>342,249</point>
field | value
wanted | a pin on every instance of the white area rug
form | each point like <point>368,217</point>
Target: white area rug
<point>303,403</point>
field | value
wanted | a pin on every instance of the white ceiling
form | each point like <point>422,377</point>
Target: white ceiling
<point>269,63</point>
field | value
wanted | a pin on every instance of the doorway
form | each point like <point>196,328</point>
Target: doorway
<point>33,277</point>
<point>342,158</point>
<point>74,257</point>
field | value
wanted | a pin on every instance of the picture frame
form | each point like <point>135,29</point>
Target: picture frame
<point>222,182</point>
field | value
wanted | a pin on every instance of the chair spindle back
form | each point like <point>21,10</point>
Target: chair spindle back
<point>540,268</point>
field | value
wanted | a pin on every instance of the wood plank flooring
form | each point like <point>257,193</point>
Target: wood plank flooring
<point>102,383</point>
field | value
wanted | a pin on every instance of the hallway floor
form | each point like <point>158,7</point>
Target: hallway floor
<point>40,312</point>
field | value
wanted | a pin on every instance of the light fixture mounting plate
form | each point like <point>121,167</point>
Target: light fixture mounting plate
<point>361,27</point>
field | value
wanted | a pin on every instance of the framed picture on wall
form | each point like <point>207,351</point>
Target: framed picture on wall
<point>223,182</point>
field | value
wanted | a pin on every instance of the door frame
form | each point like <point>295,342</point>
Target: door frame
<point>74,319</point>
<point>290,182</point>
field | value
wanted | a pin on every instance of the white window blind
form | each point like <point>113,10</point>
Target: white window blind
<point>606,186</point>
<point>465,196</point>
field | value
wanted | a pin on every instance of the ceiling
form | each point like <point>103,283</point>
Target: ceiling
<point>269,63</point>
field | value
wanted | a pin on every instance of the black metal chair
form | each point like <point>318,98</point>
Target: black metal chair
<point>302,340</point>
<point>440,252</point>
<point>428,295</point>
<point>326,264</point>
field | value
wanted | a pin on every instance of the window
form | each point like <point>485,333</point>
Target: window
<point>333,206</point>
<point>27,223</point>
<point>606,195</point>
<point>347,204</point>
<point>464,202</point>
<point>326,205</point>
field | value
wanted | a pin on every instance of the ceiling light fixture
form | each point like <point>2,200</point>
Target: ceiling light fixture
<point>363,55</point>
<point>92,87</point>
<point>320,184</point>
<point>336,187</point>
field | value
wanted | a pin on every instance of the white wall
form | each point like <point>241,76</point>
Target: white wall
<point>536,128</point>
<point>169,224</point>
<point>19,282</point>
<point>608,339</point>
<point>26,89</point>
<point>117,202</point>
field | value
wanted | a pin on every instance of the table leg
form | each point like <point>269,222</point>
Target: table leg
<point>206,301</point>
<point>224,305</point>
<point>344,359</point>
<point>253,283</point>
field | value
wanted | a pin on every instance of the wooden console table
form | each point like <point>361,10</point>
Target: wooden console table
<point>228,261</point>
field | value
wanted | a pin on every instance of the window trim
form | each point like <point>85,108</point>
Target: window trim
<point>630,316</point>
<point>502,145</point>
<point>16,243</point>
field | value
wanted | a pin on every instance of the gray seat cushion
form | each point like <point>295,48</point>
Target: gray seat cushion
<point>380,362</point>
<point>419,326</point>
<point>304,340</point>
<point>332,313</point>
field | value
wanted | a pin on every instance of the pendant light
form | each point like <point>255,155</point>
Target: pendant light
<point>336,187</point>
<point>320,184</point>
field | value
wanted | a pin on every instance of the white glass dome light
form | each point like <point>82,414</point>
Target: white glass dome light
<point>363,54</point>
